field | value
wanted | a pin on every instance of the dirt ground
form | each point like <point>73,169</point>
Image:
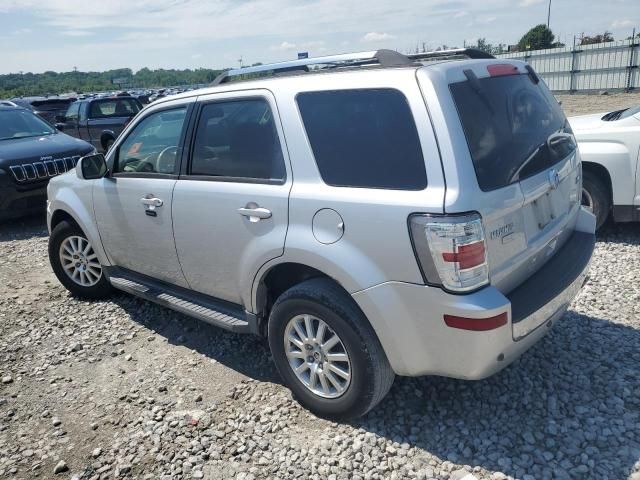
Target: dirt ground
<point>584,104</point>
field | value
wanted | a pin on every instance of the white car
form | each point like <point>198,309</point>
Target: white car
<point>610,148</point>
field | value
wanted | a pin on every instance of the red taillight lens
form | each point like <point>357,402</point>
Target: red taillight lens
<point>476,324</point>
<point>502,69</point>
<point>467,256</point>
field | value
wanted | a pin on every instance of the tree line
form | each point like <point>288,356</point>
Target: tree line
<point>54,83</point>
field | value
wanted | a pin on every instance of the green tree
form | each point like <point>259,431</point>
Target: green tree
<point>599,38</point>
<point>538,38</point>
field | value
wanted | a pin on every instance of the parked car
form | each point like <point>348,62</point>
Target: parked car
<point>374,218</point>
<point>99,121</point>
<point>46,107</point>
<point>31,152</point>
<point>610,147</point>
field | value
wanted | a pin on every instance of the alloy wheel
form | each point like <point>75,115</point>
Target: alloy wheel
<point>79,261</point>
<point>317,356</point>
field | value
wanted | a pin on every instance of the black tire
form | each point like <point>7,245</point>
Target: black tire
<point>597,194</point>
<point>60,233</point>
<point>371,374</point>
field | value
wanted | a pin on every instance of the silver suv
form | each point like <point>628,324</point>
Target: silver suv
<point>372,214</point>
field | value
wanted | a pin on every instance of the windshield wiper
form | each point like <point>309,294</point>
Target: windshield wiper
<point>552,140</point>
<point>614,115</point>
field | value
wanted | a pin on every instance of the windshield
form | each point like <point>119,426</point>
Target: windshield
<point>514,128</point>
<point>21,124</point>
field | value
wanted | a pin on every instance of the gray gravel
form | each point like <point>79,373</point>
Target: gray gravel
<point>126,389</point>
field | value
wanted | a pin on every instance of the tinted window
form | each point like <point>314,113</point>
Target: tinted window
<point>237,139</point>
<point>119,107</point>
<point>514,128</point>
<point>364,138</point>
<point>73,111</point>
<point>20,123</point>
<point>153,145</point>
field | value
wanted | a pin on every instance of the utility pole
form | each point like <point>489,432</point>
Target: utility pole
<point>240,62</point>
<point>549,14</point>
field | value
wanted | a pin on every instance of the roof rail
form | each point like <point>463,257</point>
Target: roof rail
<point>384,58</point>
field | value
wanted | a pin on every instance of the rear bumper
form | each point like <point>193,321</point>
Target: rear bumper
<point>408,318</point>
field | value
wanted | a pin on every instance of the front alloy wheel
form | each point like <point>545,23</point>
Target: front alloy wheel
<point>317,356</point>
<point>75,262</point>
<point>79,261</point>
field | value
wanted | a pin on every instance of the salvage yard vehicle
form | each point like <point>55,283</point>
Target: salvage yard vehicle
<point>376,214</point>
<point>99,121</point>
<point>31,152</point>
<point>610,147</point>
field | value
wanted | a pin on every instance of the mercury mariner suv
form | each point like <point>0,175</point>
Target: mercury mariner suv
<point>371,214</point>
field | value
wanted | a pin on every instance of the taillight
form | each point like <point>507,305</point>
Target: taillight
<point>451,250</point>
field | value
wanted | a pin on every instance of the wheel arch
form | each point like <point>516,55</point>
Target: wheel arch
<point>602,173</point>
<point>280,277</point>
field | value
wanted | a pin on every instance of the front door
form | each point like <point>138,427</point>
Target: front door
<point>133,203</point>
<point>230,208</point>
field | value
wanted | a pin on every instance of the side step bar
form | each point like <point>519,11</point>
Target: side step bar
<point>208,309</point>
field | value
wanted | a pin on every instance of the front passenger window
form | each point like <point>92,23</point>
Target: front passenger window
<point>153,145</point>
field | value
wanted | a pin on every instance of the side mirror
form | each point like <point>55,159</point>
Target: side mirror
<point>92,167</point>
<point>59,126</point>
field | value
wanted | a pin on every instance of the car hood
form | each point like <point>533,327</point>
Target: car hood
<point>586,122</point>
<point>55,145</point>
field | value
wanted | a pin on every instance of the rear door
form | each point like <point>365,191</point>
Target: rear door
<point>514,160</point>
<point>230,205</point>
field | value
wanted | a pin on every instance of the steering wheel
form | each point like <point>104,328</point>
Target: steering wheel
<point>166,165</point>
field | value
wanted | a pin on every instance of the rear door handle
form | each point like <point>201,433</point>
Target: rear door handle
<point>151,201</point>
<point>255,214</point>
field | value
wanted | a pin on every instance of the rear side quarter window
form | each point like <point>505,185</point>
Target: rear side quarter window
<point>364,138</point>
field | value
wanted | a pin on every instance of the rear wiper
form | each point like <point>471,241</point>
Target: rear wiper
<point>516,174</point>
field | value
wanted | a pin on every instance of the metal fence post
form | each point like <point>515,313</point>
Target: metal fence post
<point>632,65</point>
<point>573,66</point>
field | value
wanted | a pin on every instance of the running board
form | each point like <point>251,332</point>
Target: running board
<point>215,312</point>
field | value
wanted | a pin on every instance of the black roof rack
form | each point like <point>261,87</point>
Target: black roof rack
<point>383,58</point>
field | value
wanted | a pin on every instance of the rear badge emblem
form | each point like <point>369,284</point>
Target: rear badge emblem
<point>554,179</point>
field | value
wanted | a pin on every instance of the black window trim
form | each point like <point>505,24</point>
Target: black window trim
<point>181,144</point>
<point>360,89</point>
<point>188,157</point>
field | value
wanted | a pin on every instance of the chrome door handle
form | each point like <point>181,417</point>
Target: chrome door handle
<point>255,214</point>
<point>151,202</point>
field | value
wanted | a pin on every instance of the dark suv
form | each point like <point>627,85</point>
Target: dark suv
<point>99,121</point>
<point>31,152</point>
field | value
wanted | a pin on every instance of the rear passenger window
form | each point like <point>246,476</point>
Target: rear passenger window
<point>364,138</point>
<point>238,139</point>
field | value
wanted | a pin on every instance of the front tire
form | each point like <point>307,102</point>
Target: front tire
<point>75,263</point>
<point>327,352</point>
<point>596,198</point>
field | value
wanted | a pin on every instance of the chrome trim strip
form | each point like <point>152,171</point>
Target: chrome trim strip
<point>30,171</point>
<point>19,178</point>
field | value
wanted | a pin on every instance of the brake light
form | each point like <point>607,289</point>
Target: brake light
<point>502,69</point>
<point>451,250</point>
<point>476,324</point>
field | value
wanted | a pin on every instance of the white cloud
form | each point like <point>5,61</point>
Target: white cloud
<point>528,3</point>
<point>76,33</point>
<point>22,31</point>
<point>622,24</point>
<point>377,37</point>
<point>285,47</point>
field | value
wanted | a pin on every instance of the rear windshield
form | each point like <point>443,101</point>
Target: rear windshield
<point>514,128</point>
<point>117,107</point>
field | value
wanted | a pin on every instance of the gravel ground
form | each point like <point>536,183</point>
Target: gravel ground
<point>127,389</point>
<point>582,104</point>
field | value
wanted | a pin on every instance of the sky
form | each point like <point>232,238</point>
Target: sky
<point>90,35</point>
